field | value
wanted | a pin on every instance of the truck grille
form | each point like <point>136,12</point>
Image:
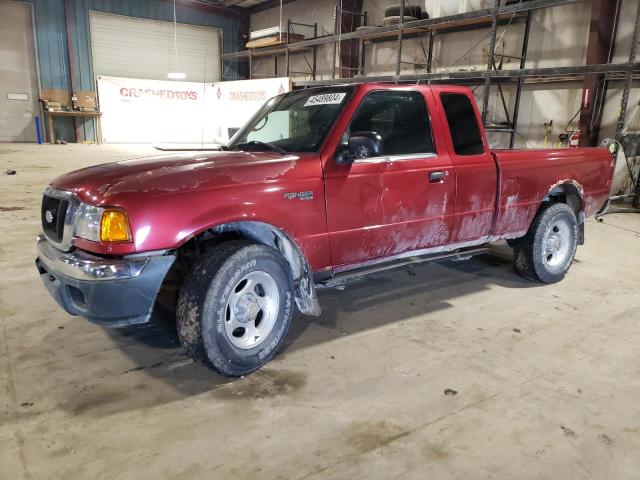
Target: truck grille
<point>54,212</point>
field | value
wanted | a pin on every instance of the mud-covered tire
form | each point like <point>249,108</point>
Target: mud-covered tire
<point>546,252</point>
<point>409,11</point>
<point>204,306</point>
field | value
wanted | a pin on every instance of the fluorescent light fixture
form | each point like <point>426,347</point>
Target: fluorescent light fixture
<point>176,75</point>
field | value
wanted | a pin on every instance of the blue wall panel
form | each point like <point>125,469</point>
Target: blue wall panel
<point>51,40</point>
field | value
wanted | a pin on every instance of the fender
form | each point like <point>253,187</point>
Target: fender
<point>266,234</point>
<point>571,193</point>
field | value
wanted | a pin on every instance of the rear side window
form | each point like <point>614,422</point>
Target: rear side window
<point>462,123</point>
<point>400,118</point>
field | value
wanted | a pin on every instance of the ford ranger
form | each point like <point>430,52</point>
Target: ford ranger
<point>319,186</point>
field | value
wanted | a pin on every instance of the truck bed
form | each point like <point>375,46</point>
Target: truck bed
<point>525,177</point>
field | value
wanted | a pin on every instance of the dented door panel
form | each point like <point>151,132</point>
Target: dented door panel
<point>418,212</point>
<point>354,211</point>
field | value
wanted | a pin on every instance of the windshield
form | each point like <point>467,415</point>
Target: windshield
<point>295,122</point>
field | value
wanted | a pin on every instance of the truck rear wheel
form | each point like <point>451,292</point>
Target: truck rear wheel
<point>235,308</point>
<point>546,252</point>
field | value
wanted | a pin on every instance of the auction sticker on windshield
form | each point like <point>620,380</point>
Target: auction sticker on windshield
<point>325,99</point>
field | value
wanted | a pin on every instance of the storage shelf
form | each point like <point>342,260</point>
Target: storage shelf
<point>266,52</point>
<point>410,30</point>
<point>487,18</point>
<point>468,21</point>
<point>451,23</point>
<point>549,74</point>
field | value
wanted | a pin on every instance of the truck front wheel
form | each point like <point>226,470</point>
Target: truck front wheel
<point>546,252</point>
<point>235,308</point>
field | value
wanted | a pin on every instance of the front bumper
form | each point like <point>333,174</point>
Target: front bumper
<point>108,291</point>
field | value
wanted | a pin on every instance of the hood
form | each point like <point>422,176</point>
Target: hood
<point>101,184</point>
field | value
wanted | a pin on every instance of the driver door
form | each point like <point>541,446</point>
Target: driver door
<point>400,201</point>
<point>354,208</point>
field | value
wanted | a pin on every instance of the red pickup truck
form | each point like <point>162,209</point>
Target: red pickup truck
<point>319,186</point>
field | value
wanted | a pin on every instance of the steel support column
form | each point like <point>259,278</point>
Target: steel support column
<point>602,34</point>
<point>625,94</point>
<point>520,81</point>
<point>492,50</point>
<point>350,18</point>
<point>73,74</point>
<point>245,28</point>
<point>336,35</point>
<point>399,47</point>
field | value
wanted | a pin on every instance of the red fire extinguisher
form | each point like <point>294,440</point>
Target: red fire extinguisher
<point>574,140</point>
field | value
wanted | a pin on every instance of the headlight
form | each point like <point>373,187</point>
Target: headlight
<point>102,224</point>
<point>88,221</point>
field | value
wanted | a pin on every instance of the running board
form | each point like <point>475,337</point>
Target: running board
<point>456,255</point>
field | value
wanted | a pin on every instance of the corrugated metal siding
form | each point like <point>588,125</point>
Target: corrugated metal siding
<point>51,40</point>
<point>53,62</point>
<point>81,42</point>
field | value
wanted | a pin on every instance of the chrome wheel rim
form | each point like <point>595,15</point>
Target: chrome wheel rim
<point>556,244</point>
<point>252,309</point>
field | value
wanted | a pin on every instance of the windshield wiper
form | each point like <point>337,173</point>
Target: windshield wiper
<point>268,146</point>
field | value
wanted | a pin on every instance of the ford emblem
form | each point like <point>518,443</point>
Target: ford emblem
<point>48,216</point>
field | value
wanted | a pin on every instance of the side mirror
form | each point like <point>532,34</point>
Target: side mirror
<point>360,145</point>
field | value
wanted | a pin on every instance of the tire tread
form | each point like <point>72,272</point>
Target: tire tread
<point>523,249</point>
<point>188,326</point>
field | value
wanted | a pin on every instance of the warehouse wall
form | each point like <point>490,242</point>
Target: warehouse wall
<point>51,41</point>
<point>304,11</point>
<point>558,38</point>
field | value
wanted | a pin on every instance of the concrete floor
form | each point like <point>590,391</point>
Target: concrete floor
<point>547,377</point>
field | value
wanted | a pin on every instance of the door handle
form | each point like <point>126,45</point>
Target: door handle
<point>436,177</point>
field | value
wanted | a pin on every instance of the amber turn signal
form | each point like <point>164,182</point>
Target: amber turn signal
<point>114,227</point>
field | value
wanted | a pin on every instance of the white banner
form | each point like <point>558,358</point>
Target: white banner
<point>158,111</point>
<point>237,101</point>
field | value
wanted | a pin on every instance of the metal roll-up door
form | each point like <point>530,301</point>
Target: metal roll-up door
<point>18,74</point>
<point>139,48</point>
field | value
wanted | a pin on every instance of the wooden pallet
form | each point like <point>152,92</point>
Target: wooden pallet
<point>274,40</point>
